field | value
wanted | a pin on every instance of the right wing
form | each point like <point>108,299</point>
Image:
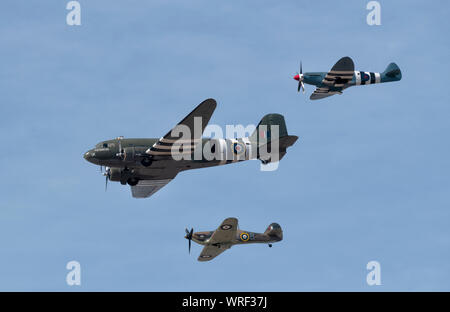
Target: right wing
<point>225,233</point>
<point>203,112</point>
<point>146,188</point>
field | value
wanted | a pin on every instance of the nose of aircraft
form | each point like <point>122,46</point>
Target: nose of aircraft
<point>297,77</point>
<point>89,155</point>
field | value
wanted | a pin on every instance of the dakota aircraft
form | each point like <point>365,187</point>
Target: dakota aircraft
<point>227,235</point>
<point>149,164</point>
<point>341,76</point>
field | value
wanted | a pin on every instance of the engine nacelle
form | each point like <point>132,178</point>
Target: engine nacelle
<point>115,174</point>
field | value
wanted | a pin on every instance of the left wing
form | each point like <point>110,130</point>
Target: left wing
<point>336,79</point>
<point>146,188</point>
<point>210,252</point>
<point>323,92</point>
<point>220,240</point>
<point>203,113</point>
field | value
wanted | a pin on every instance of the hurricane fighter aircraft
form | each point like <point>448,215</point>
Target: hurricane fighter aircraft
<point>227,235</point>
<point>342,76</point>
<point>149,164</point>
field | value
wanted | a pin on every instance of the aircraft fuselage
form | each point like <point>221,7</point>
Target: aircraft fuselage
<point>359,78</point>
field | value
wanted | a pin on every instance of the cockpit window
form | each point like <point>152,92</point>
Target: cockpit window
<point>105,145</point>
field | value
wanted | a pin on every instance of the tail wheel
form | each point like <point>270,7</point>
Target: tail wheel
<point>265,161</point>
<point>133,181</point>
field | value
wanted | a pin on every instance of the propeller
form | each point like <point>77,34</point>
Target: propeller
<point>107,175</point>
<point>189,237</point>
<point>300,78</point>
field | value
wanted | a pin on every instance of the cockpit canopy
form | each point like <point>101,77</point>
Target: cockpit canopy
<point>275,226</point>
<point>105,144</point>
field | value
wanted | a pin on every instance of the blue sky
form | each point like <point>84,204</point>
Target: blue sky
<point>367,180</point>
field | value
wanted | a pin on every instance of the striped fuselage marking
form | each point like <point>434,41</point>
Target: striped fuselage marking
<point>365,78</point>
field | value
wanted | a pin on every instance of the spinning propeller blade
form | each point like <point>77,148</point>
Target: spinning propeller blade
<point>189,237</point>
<point>301,85</point>
<point>107,175</point>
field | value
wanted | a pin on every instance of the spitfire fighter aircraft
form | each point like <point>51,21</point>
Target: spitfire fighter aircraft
<point>342,76</point>
<point>149,164</point>
<point>228,235</point>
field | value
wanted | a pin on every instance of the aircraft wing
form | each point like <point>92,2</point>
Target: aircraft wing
<point>203,113</point>
<point>336,79</point>
<point>226,232</point>
<point>210,252</point>
<point>323,92</point>
<point>220,240</point>
<point>146,188</point>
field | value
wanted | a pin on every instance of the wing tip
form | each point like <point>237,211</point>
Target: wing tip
<point>210,102</point>
<point>231,219</point>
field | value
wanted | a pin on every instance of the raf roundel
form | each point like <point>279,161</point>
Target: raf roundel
<point>244,237</point>
<point>238,148</point>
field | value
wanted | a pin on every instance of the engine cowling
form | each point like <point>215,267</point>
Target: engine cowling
<point>115,174</point>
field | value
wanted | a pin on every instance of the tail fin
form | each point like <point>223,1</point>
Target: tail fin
<point>263,135</point>
<point>263,130</point>
<point>391,73</point>
<point>274,231</point>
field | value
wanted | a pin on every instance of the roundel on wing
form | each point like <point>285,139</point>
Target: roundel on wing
<point>238,148</point>
<point>244,237</point>
<point>205,256</point>
<point>226,227</point>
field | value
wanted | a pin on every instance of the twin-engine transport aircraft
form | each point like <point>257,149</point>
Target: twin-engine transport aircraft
<point>342,76</point>
<point>149,164</point>
<point>227,235</point>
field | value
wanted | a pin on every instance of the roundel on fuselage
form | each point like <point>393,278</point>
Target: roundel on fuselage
<point>364,77</point>
<point>244,237</point>
<point>238,148</point>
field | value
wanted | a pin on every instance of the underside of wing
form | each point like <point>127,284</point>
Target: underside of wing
<point>146,188</point>
<point>340,74</point>
<point>226,232</point>
<point>210,252</point>
<point>186,134</point>
<point>322,92</point>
